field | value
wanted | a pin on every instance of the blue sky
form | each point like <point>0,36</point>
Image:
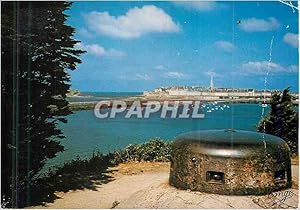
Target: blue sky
<point>138,46</point>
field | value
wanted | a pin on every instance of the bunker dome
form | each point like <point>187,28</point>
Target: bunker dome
<point>232,162</point>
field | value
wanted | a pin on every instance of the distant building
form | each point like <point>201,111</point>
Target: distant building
<point>211,82</point>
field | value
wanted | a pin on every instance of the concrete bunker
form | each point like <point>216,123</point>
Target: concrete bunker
<point>231,162</point>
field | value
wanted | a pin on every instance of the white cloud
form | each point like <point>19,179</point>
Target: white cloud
<point>85,33</point>
<point>135,23</point>
<point>224,46</point>
<point>261,67</point>
<point>293,68</point>
<point>200,6</point>
<point>135,77</point>
<point>160,67</point>
<point>211,73</point>
<point>99,51</point>
<point>142,77</point>
<point>291,39</point>
<point>174,75</point>
<point>259,25</point>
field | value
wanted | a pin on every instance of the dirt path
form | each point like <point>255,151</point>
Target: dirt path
<point>145,185</point>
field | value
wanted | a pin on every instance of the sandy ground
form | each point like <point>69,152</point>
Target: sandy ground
<point>145,185</point>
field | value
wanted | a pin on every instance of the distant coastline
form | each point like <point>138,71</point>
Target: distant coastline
<point>88,100</point>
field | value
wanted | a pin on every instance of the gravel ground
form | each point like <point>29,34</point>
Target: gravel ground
<point>145,185</point>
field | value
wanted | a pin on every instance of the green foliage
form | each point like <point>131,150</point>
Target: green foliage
<point>37,50</point>
<point>97,162</point>
<point>86,173</point>
<point>282,120</point>
<point>153,150</point>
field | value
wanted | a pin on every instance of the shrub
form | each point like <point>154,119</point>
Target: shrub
<point>282,120</point>
<point>153,150</point>
<point>85,173</point>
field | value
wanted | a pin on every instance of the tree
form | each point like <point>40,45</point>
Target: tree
<point>282,120</point>
<point>37,51</point>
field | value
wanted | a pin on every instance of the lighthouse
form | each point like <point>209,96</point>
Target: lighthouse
<point>211,82</point>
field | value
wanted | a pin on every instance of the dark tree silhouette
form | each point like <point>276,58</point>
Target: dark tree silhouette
<point>37,51</point>
<point>282,121</point>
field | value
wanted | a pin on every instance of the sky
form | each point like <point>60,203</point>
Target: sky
<point>139,46</point>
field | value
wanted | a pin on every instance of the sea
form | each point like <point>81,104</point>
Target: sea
<point>97,96</point>
<point>85,133</point>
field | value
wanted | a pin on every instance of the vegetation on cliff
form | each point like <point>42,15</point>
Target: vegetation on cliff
<point>86,173</point>
<point>282,120</point>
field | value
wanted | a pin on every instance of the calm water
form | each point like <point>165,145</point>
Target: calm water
<point>96,96</point>
<point>85,133</point>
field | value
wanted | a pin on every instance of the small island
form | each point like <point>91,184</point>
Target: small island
<point>74,93</point>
